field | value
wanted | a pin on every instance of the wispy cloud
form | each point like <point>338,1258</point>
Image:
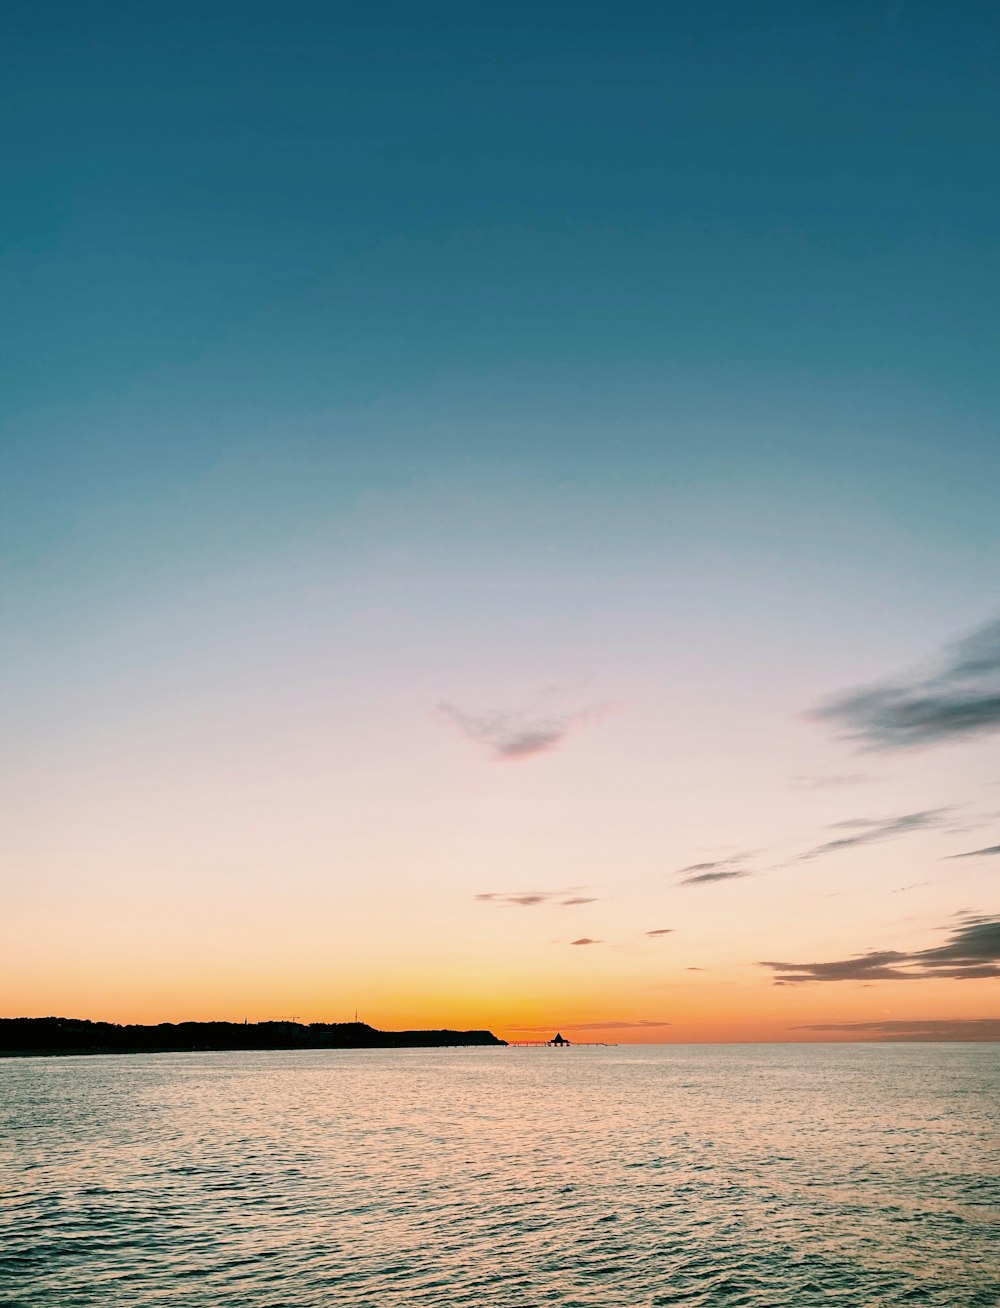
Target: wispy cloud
<point>706,878</point>
<point>858,831</point>
<point>518,734</point>
<point>532,898</point>
<point>972,952</point>
<point>720,869</point>
<point>661,931</point>
<point>978,853</point>
<point>961,699</point>
<point>974,1028</point>
<point>871,831</point>
<point>585,940</point>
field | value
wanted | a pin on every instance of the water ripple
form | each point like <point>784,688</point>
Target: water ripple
<point>740,1177</point>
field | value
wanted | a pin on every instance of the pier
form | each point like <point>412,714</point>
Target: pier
<point>559,1041</point>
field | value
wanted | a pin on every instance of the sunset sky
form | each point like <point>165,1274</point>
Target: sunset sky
<point>500,517</point>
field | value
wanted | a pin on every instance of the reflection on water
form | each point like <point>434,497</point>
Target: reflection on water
<point>759,1176</point>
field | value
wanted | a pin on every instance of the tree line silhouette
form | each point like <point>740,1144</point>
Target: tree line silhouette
<point>68,1035</point>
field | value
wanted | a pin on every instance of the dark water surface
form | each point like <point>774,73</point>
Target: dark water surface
<point>768,1176</point>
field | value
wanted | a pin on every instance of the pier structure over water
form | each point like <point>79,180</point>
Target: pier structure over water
<point>558,1041</point>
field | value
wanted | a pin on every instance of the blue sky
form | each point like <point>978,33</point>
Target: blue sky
<point>539,235</point>
<point>356,361</point>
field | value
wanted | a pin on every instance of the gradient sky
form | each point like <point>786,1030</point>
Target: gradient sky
<point>460,460</point>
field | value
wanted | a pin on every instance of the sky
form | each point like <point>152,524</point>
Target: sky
<point>499,517</point>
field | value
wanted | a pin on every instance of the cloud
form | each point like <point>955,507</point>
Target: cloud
<point>721,869</point>
<point>974,1028</point>
<point>961,699</point>
<point>527,900</point>
<point>532,898</point>
<point>585,940</point>
<point>978,853</point>
<point>971,953</point>
<point>859,831</point>
<point>615,1024</point>
<point>706,878</point>
<point>977,654</point>
<point>661,931</point>
<point>963,826</point>
<point>870,831</point>
<point>513,735</point>
<point>730,861</point>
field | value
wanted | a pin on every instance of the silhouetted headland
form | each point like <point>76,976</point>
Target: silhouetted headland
<point>69,1035</point>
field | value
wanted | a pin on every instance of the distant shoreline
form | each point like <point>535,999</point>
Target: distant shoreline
<point>26,1037</point>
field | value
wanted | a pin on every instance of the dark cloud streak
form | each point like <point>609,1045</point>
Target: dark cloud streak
<point>721,869</point>
<point>532,898</point>
<point>962,699</point>
<point>707,878</point>
<point>870,831</point>
<point>971,953</point>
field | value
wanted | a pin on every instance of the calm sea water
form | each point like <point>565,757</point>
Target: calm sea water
<point>764,1176</point>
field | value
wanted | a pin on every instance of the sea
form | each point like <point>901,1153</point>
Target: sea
<point>758,1176</point>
